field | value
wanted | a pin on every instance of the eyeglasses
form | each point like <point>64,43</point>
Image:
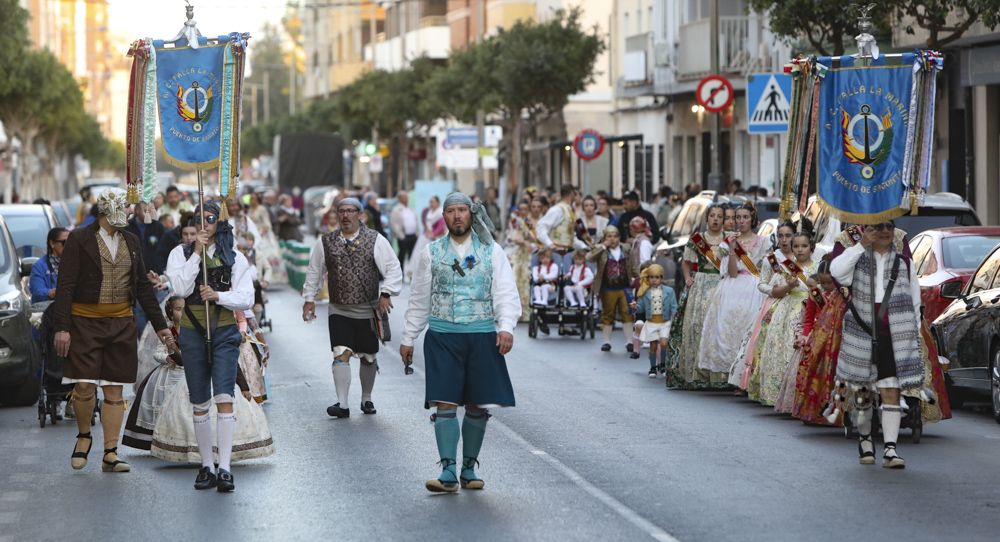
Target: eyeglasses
<point>209,219</point>
<point>348,211</point>
<point>885,226</point>
<point>60,241</point>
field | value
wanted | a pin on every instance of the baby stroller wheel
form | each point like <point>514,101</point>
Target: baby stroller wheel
<point>53,408</point>
<point>97,411</point>
<point>532,325</point>
<point>916,434</point>
<point>41,413</point>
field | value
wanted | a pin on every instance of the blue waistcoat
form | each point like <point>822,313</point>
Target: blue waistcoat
<point>461,304</point>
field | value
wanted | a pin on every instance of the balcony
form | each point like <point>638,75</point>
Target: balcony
<point>739,43</point>
<point>431,41</point>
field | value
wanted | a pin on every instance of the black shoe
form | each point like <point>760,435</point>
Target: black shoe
<point>368,407</point>
<point>629,348</point>
<point>633,355</point>
<point>652,373</point>
<point>337,412</point>
<point>225,483</point>
<point>605,347</point>
<point>206,479</point>
<point>543,327</point>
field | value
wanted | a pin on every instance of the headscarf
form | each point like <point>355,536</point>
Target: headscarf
<point>112,205</point>
<point>351,201</point>
<point>652,269</point>
<point>639,224</point>
<point>481,223</point>
<point>223,233</point>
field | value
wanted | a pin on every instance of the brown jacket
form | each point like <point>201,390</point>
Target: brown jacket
<point>80,278</point>
<point>599,254</point>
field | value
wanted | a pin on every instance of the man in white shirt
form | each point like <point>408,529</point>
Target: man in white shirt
<point>403,222</point>
<point>227,288</point>
<point>557,228</point>
<point>464,290</point>
<point>362,274</point>
<point>880,348</point>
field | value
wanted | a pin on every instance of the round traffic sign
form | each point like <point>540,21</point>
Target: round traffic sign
<point>714,93</point>
<point>588,144</point>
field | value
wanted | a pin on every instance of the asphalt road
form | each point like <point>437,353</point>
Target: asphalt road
<point>594,450</point>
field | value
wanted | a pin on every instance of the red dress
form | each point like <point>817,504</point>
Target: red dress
<point>814,382</point>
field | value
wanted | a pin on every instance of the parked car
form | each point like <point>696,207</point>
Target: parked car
<point>945,259</point>
<point>968,334</point>
<point>19,385</point>
<point>63,215</point>
<point>29,225</point>
<point>940,210</point>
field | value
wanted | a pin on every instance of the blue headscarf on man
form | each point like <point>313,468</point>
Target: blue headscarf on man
<point>481,223</point>
<point>223,233</point>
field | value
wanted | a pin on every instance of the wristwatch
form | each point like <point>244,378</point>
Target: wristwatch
<point>384,295</point>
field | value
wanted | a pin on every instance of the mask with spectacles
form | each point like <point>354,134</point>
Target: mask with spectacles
<point>885,226</point>
<point>209,219</point>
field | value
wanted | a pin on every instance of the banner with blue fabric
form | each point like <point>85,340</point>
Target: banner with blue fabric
<point>863,122</point>
<point>188,91</point>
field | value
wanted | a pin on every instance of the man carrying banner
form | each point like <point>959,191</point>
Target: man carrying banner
<point>363,273</point>
<point>880,348</point>
<point>464,289</point>
<point>210,339</point>
<point>101,276</point>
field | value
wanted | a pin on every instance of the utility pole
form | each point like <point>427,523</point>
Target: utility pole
<point>267,95</point>
<point>480,115</point>
<point>715,173</point>
<point>373,180</point>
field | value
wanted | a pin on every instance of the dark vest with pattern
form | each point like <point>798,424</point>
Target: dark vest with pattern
<point>219,277</point>
<point>352,276</point>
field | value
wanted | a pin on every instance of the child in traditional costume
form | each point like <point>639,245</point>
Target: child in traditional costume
<point>819,342</point>
<point>778,366</point>
<point>152,392</point>
<point>543,277</point>
<point>579,279</point>
<point>656,305</point>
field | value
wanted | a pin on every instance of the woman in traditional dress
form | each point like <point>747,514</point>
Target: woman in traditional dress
<point>521,243</point>
<point>737,300</point>
<point>267,245</point>
<point>777,372</point>
<point>822,322</point>
<point>729,220</point>
<point>591,225</point>
<point>700,265</point>
<point>743,372</point>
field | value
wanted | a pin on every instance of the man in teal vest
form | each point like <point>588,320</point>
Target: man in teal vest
<point>464,290</point>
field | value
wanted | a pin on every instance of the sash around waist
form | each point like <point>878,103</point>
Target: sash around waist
<point>444,326</point>
<point>102,310</point>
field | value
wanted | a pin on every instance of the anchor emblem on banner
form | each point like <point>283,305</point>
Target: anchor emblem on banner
<point>194,104</point>
<point>867,138</point>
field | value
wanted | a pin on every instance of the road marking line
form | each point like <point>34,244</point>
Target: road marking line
<point>618,507</point>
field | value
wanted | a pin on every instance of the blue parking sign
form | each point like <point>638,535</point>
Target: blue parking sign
<point>768,103</point>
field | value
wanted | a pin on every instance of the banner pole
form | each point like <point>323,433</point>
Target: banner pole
<point>204,260</point>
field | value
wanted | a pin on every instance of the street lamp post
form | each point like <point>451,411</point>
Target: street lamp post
<point>715,173</point>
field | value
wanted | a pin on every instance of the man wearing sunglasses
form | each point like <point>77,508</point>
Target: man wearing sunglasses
<point>880,348</point>
<point>363,273</point>
<point>210,339</point>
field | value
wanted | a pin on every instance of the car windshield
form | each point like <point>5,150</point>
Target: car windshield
<point>29,233</point>
<point>966,251</point>
<point>929,218</point>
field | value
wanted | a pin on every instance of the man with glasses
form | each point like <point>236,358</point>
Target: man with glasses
<point>880,348</point>
<point>209,338</point>
<point>362,275</point>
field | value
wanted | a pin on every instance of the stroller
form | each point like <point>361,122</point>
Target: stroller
<point>570,320</point>
<point>52,391</point>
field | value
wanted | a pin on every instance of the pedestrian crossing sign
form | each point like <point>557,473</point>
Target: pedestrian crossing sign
<point>768,106</point>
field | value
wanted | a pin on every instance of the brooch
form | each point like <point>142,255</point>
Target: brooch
<point>458,268</point>
<point>470,261</point>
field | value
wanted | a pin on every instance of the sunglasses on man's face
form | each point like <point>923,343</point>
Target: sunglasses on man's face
<point>209,219</point>
<point>885,226</point>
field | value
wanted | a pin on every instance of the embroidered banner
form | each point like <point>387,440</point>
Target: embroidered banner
<point>864,115</point>
<point>188,90</point>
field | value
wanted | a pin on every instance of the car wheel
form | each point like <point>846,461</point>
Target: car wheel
<point>24,395</point>
<point>995,382</point>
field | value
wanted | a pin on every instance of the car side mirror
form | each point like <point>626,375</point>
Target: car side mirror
<point>26,265</point>
<point>952,290</point>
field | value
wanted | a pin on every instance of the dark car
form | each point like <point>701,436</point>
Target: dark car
<point>945,259</point>
<point>29,226</point>
<point>19,385</point>
<point>968,334</point>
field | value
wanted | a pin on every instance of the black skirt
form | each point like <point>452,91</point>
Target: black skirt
<point>356,334</point>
